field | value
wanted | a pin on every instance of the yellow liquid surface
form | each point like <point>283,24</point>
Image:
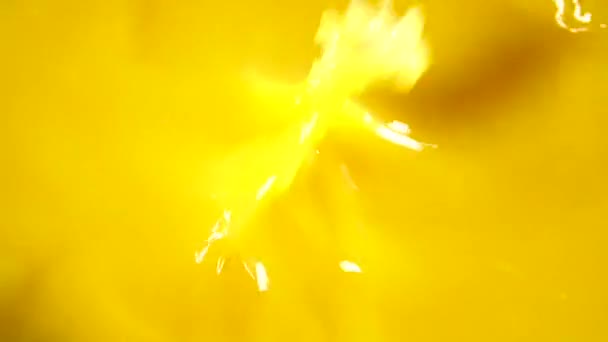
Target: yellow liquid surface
<point>127,127</point>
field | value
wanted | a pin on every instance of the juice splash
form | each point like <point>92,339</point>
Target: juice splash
<point>364,45</point>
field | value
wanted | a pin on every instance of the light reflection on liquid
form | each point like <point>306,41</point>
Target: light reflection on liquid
<point>580,16</point>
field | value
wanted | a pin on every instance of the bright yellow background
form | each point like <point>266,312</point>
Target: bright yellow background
<point>115,115</point>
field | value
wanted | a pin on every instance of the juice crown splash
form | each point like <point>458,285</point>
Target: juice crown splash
<point>368,44</point>
<point>365,44</point>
